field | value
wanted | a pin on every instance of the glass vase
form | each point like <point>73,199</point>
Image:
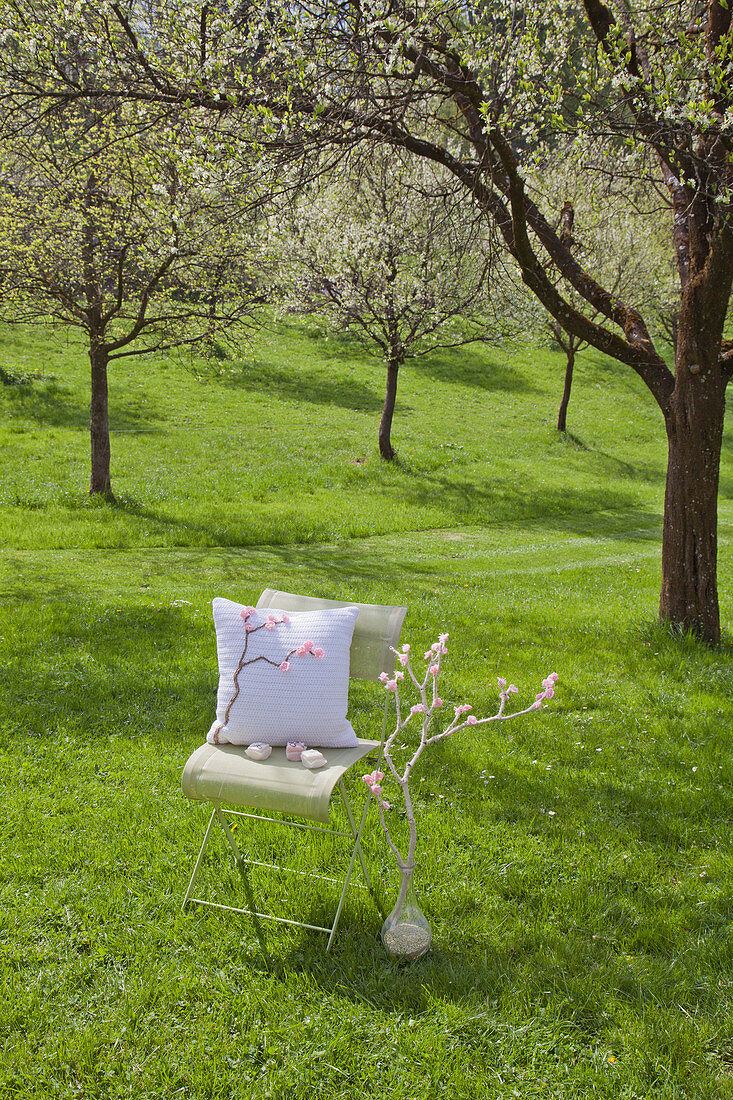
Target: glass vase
<point>406,933</point>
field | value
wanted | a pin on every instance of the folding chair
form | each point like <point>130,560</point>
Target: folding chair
<point>224,774</point>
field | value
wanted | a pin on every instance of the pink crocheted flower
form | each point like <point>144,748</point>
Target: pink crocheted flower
<point>372,780</point>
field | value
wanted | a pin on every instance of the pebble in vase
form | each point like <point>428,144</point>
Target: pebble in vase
<point>406,933</point>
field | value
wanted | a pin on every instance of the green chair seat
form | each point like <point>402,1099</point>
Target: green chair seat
<point>224,773</point>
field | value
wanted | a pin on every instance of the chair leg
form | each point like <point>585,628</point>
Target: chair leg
<point>345,887</point>
<point>228,834</point>
<point>197,864</point>
<point>356,833</point>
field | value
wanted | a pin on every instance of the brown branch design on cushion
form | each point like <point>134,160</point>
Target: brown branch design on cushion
<point>307,649</point>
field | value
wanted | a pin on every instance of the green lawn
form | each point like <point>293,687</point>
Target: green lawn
<point>575,866</point>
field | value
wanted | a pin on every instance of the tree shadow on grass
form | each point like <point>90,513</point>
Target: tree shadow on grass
<point>315,386</point>
<point>627,953</point>
<point>82,666</point>
<point>465,367</point>
<point>629,524</point>
<point>346,568</point>
<point>333,345</point>
<point>649,471</point>
<point>107,670</point>
<point>726,486</point>
<point>51,405</point>
<point>597,511</point>
<point>532,502</point>
<point>48,404</point>
<point>595,368</point>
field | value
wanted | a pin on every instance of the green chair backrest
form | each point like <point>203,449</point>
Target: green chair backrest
<point>377,628</point>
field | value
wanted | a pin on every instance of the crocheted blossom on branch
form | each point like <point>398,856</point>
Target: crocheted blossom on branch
<point>424,712</point>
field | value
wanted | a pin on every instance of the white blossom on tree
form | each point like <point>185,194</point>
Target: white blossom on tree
<point>129,236</point>
<point>383,247</point>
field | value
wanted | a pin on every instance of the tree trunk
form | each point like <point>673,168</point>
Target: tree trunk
<point>689,593</point>
<point>562,412</point>
<point>99,423</point>
<point>386,449</point>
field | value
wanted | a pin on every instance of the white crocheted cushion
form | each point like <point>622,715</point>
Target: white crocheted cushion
<point>282,677</point>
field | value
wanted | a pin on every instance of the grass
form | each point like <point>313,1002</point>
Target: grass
<point>575,866</point>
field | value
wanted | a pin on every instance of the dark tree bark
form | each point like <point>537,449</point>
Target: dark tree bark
<point>386,449</point>
<point>563,410</point>
<point>570,345</point>
<point>101,483</point>
<point>694,423</point>
<point>689,592</point>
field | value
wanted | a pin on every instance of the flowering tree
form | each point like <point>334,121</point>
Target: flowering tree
<point>126,235</point>
<point>603,222</point>
<point>383,246</point>
<point>481,90</point>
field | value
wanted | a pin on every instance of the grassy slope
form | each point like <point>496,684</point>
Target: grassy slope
<point>575,866</point>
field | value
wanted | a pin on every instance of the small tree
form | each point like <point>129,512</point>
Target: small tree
<point>382,248</point>
<point>609,229</point>
<point>606,226</point>
<point>124,232</point>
